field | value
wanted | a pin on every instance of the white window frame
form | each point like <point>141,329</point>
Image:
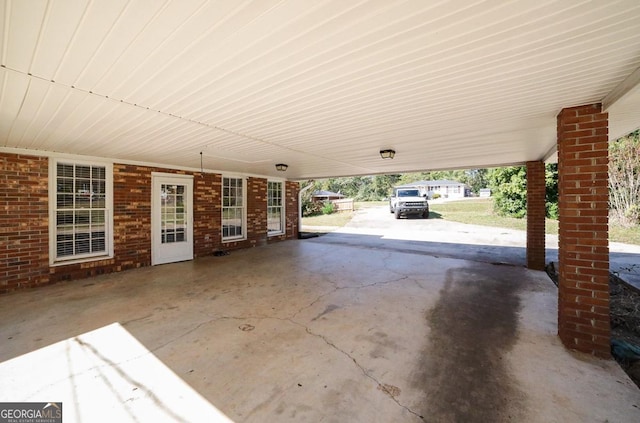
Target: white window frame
<point>53,188</point>
<point>282,208</point>
<point>243,236</point>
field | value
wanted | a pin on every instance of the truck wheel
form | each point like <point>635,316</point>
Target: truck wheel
<point>425,215</point>
<point>397,214</point>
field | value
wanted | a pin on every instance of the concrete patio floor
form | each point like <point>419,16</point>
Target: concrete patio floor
<point>310,330</point>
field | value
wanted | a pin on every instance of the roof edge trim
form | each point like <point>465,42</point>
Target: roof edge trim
<point>624,88</point>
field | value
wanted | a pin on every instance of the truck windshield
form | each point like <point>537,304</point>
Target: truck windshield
<point>409,193</point>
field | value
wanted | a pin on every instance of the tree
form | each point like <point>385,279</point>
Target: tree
<point>407,178</point>
<point>450,175</point>
<point>476,179</point>
<point>360,188</point>
<point>624,179</point>
<point>509,190</point>
<point>382,185</point>
<point>551,194</point>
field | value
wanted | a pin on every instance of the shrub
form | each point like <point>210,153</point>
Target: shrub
<point>435,196</point>
<point>552,210</point>
<point>632,215</point>
<point>509,190</point>
<point>328,208</point>
<point>311,208</point>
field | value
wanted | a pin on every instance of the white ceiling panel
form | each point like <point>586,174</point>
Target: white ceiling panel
<point>321,86</point>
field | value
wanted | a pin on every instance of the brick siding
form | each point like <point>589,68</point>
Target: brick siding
<point>24,216</point>
<point>207,213</point>
<point>536,213</point>
<point>292,189</point>
<point>583,298</point>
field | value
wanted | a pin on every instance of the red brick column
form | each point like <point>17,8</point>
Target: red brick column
<point>583,296</point>
<point>536,213</point>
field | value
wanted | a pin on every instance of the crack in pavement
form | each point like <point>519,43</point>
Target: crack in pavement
<point>291,320</point>
<point>326,341</point>
<point>340,288</point>
<point>206,322</point>
<point>358,365</point>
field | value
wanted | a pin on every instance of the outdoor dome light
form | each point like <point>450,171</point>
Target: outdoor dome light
<point>387,154</point>
<point>281,167</point>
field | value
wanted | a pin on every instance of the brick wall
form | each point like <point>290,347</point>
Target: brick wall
<point>207,213</point>
<point>256,230</point>
<point>131,226</point>
<point>536,213</point>
<point>24,247</point>
<point>24,217</point>
<point>256,211</point>
<point>583,298</point>
<point>291,209</point>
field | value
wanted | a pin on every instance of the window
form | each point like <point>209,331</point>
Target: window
<point>80,203</point>
<point>172,214</point>
<point>275,208</point>
<point>233,209</point>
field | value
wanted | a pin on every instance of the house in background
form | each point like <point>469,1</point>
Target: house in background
<point>326,196</point>
<point>339,201</point>
<point>445,188</point>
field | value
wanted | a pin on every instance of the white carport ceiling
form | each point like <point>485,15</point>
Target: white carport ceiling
<point>319,85</point>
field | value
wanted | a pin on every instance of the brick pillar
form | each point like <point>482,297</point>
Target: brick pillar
<point>536,213</point>
<point>583,295</point>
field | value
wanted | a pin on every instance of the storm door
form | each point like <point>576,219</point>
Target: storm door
<point>171,218</point>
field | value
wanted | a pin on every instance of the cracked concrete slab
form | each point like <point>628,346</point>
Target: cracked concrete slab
<point>315,330</point>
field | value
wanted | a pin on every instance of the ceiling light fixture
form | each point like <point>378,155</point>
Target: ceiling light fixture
<point>281,167</point>
<point>387,154</point>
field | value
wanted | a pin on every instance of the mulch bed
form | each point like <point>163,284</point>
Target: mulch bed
<point>625,317</point>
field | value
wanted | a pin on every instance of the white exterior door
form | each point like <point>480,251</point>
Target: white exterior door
<point>171,218</point>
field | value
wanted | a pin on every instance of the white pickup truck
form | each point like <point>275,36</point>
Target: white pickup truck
<point>406,201</point>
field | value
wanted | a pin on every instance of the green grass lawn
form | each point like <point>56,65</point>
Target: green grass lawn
<point>626,235</point>
<point>339,219</point>
<point>335,219</point>
<point>480,212</point>
<point>475,212</point>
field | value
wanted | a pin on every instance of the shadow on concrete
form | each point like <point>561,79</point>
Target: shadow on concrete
<point>515,256</point>
<point>496,254</point>
<point>432,215</point>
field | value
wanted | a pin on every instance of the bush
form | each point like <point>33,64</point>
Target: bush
<point>509,190</point>
<point>552,210</point>
<point>311,208</point>
<point>435,196</point>
<point>328,208</point>
<point>632,215</point>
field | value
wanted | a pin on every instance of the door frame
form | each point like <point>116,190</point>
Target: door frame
<point>157,179</point>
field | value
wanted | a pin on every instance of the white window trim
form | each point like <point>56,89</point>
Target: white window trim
<point>243,237</point>
<point>283,219</point>
<point>53,164</point>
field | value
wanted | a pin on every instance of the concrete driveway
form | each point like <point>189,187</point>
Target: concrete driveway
<point>443,238</point>
<point>315,330</point>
